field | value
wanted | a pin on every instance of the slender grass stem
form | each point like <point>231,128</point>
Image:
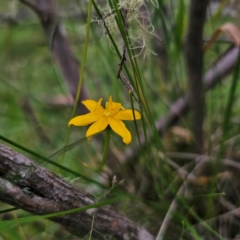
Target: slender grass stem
<point>105,148</point>
<point>81,75</point>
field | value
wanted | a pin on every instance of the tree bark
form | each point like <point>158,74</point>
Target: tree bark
<point>48,193</point>
<point>194,63</point>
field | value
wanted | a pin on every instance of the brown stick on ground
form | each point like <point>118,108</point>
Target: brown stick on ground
<point>48,193</point>
<point>59,45</point>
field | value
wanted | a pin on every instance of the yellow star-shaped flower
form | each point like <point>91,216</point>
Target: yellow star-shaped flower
<point>101,117</point>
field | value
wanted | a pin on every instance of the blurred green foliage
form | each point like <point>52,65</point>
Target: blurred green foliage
<point>30,74</point>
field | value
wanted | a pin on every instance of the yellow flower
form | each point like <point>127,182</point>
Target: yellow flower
<point>101,117</point>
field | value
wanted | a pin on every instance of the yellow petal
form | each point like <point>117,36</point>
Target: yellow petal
<point>83,120</point>
<point>128,115</point>
<point>119,127</point>
<point>97,127</point>
<point>91,105</point>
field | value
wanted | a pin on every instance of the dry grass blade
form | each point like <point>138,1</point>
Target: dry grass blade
<point>230,29</point>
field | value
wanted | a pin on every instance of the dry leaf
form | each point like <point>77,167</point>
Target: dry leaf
<point>230,29</point>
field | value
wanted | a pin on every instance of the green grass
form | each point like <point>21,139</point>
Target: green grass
<point>29,72</point>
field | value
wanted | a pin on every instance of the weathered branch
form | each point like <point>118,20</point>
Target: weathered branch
<point>48,193</point>
<point>59,45</point>
<point>194,64</point>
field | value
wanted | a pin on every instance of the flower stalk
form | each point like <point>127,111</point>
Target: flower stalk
<point>105,149</point>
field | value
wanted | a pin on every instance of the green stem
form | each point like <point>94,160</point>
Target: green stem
<point>230,102</point>
<point>80,77</point>
<point>105,149</point>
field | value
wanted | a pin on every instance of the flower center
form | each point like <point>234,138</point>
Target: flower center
<point>106,113</point>
<point>110,112</point>
<point>112,108</point>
